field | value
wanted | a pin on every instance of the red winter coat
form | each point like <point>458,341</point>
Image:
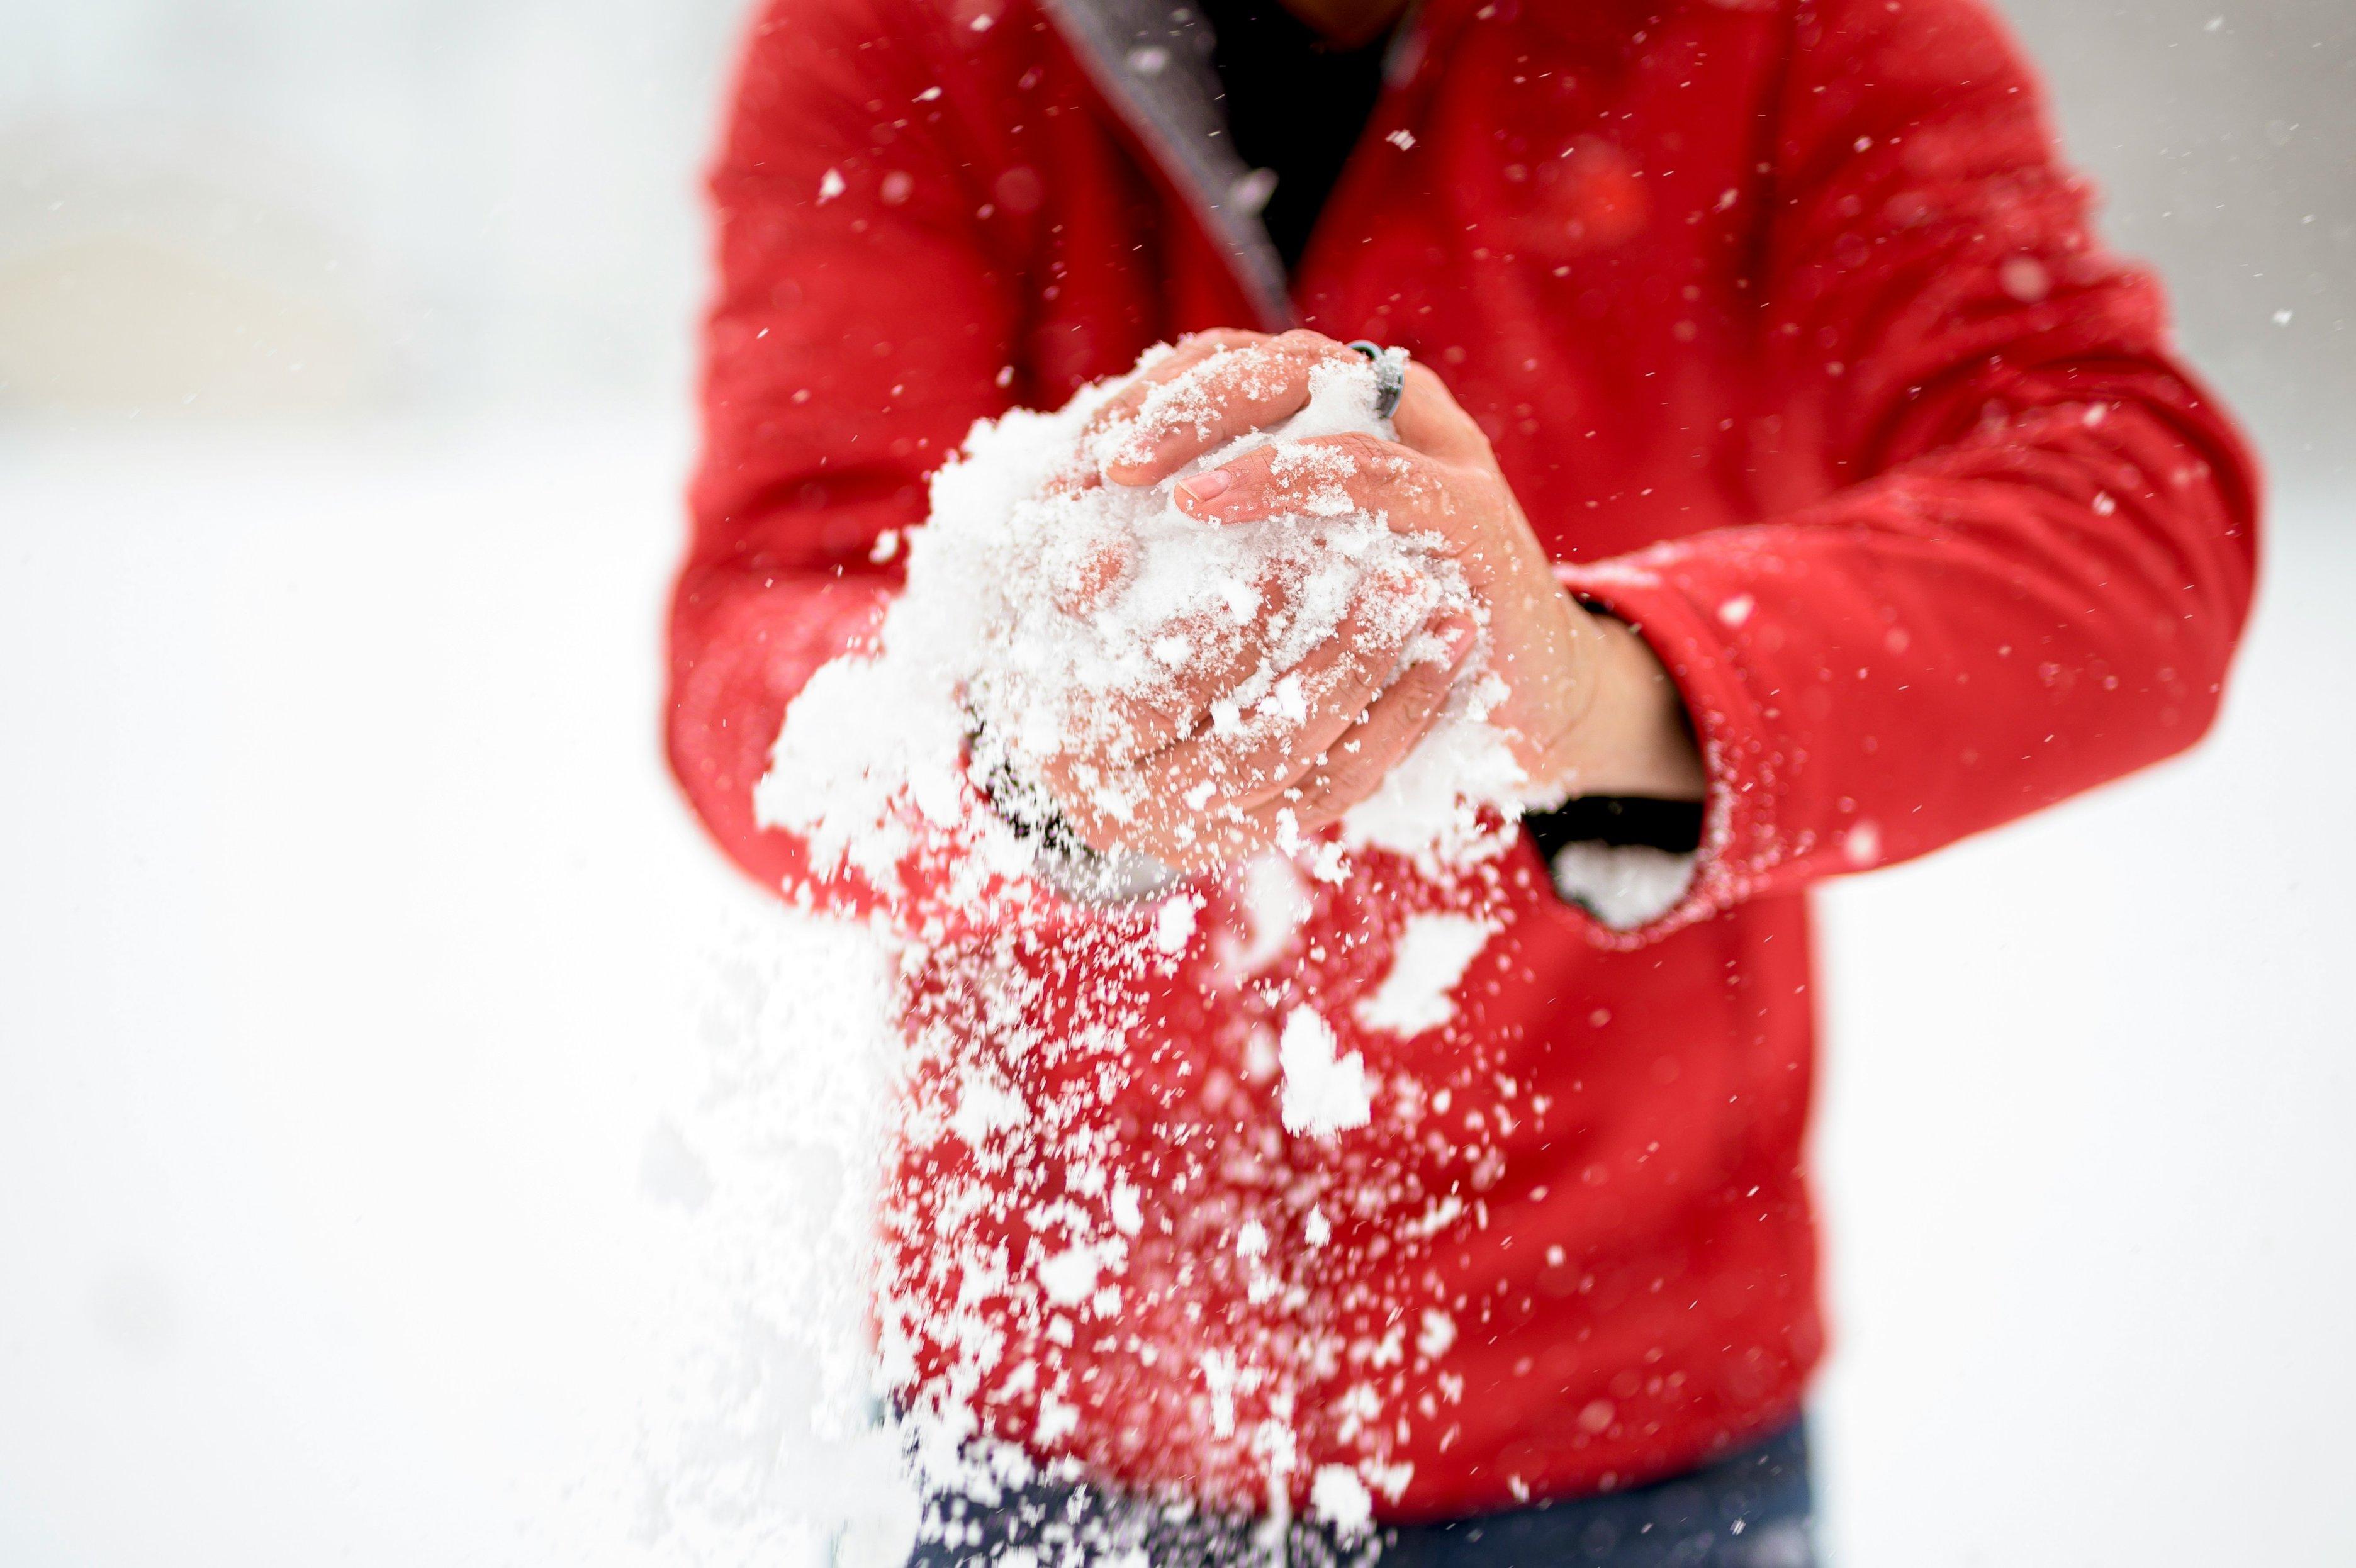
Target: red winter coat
<point>1796,345</point>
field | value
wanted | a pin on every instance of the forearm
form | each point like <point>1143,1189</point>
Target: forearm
<point>1982,631</point>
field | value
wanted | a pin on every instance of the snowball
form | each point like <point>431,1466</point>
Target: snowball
<point>1324,1093</point>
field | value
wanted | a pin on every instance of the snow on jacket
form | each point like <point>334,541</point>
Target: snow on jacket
<point>1793,340</point>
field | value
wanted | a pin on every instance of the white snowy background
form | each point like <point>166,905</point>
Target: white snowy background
<point>354,948</point>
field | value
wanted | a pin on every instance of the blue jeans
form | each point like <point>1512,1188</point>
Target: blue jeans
<point>1749,1509</point>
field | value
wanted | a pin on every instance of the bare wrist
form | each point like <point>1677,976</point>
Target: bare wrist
<point>1634,737</point>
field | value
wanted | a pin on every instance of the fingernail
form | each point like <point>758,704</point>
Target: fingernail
<point>1206,486</point>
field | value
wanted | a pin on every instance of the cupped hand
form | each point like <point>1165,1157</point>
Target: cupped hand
<point>1238,754</point>
<point>1587,708</point>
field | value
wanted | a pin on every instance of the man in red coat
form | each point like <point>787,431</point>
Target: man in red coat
<point>1832,494</point>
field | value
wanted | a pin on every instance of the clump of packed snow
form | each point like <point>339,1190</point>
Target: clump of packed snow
<point>1324,1093</point>
<point>1043,606</point>
<point>1428,959</point>
<point>1339,1498</point>
<point>1622,885</point>
<point>1274,899</point>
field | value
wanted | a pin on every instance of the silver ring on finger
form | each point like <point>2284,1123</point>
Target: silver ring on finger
<point>1390,376</point>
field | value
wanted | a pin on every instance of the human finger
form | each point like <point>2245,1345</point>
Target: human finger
<point>1204,657</point>
<point>1108,818</point>
<point>1431,420</point>
<point>1185,355</point>
<point>1354,767</point>
<point>1324,475</point>
<point>1268,733</point>
<point>1215,400</point>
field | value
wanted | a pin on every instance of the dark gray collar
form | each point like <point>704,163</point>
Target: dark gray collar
<point>1152,60</point>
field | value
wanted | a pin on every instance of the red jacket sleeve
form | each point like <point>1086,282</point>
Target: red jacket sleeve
<point>2008,545</point>
<point>858,330</point>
